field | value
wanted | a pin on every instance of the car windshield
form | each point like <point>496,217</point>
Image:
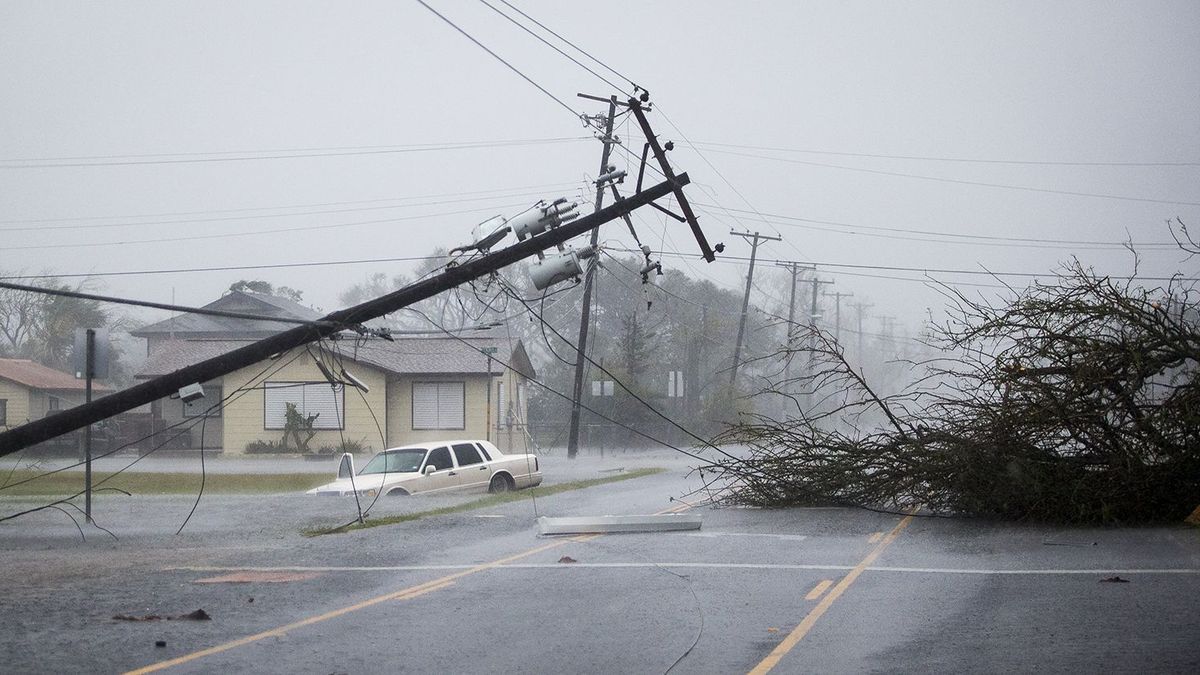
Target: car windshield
<point>395,461</point>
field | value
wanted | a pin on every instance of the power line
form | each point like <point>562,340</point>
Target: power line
<point>925,270</point>
<point>243,156</point>
<point>547,43</point>
<point>926,158</point>
<point>288,206</point>
<point>950,236</point>
<point>571,44</point>
<point>499,58</point>
<point>959,181</point>
<point>254,233</point>
<point>94,226</point>
<point>63,293</point>
<point>228,268</point>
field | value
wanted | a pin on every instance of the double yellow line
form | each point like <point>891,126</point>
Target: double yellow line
<point>402,594</point>
<point>823,606</point>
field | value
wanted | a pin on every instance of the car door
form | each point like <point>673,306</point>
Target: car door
<point>473,472</point>
<point>443,477</point>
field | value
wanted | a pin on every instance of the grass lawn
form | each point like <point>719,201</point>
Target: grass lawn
<point>67,483</point>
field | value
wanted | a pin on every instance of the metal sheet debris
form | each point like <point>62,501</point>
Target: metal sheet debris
<point>667,522</point>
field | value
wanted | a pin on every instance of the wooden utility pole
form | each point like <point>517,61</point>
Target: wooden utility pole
<point>585,315</point>
<point>795,268</point>
<point>737,348</point>
<point>861,308</point>
<point>837,313</point>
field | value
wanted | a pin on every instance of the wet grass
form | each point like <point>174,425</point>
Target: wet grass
<point>490,500</point>
<point>69,482</point>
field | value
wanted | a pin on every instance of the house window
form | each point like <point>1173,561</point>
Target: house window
<point>212,397</point>
<point>438,405</point>
<point>327,402</point>
<point>53,403</point>
<point>3,412</point>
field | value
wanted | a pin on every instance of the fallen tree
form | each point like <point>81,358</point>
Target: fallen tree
<point>1075,401</point>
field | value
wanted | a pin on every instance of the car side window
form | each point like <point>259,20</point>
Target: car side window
<point>466,454</point>
<point>439,458</point>
<point>483,451</point>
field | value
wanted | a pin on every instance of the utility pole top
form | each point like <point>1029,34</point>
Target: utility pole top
<point>755,235</point>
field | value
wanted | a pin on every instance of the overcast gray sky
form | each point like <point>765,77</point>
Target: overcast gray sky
<point>1097,99</point>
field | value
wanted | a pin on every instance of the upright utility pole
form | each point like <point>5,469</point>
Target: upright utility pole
<point>586,314</point>
<point>737,349</point>
<point>812,331</point>
<point>837,313</point>
<point>795,268</point>
<point>861,308</point>
<point>89,371</point>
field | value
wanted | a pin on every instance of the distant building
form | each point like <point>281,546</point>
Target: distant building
<point>30,391</point>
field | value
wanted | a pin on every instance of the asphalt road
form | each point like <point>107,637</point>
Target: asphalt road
<point>797,590</point>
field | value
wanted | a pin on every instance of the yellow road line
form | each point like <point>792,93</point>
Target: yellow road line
<point>823,606</point>
<point>874,537</point>
<point>403,594</point>
<point>819,589</point>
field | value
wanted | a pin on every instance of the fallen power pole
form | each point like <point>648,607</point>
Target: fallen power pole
<point>71,419</point>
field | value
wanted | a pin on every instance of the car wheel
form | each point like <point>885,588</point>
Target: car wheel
<point>398,492</point>
<point>500,483</point>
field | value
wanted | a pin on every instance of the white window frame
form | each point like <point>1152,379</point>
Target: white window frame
<point>301,393</point>
<point>449,407</point>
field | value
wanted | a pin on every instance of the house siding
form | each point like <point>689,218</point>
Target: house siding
<point>399,406</point>
<point>243,418</point>
<point>17,396</point>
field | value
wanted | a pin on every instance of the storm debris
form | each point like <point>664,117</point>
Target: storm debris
<point>198,615</point>
<point>1114,580</point>
<point>567,559</point>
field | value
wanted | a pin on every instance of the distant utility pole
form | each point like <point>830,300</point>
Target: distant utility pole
<point>586,313</point>
<point>837,313</point>
<point>862,308</point>
<point>812,326</point>
<point>795,268</point>
<point>737,348</point>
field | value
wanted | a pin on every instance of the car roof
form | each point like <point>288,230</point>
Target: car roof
<point>432,444</point>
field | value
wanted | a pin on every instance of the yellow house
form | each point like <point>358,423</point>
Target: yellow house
<point>375,393</point>
<point>30,391</point>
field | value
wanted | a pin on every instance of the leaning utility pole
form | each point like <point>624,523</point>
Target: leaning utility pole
<point>737,348</point>
<point>586,314</point>
<point>78,417</point>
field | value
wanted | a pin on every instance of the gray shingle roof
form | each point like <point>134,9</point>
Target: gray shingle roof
<point>405,356</point>
<point>186,325</point>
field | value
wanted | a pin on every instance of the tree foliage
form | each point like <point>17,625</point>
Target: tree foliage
<point>1075,401</point>
<point>41,327</point>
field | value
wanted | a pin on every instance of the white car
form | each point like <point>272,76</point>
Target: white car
<point>435,467</point>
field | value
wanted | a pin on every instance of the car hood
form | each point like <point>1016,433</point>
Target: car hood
<point>364,484</point>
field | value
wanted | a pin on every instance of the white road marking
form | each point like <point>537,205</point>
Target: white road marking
<point>686,565</point>
<point>787,537</point>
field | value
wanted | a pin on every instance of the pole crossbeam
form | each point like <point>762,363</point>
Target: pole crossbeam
<point>71,419</point>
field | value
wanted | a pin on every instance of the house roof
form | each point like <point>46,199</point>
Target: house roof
<point>196,325</point>
<point>36,376</point>
<point>405,356</point>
